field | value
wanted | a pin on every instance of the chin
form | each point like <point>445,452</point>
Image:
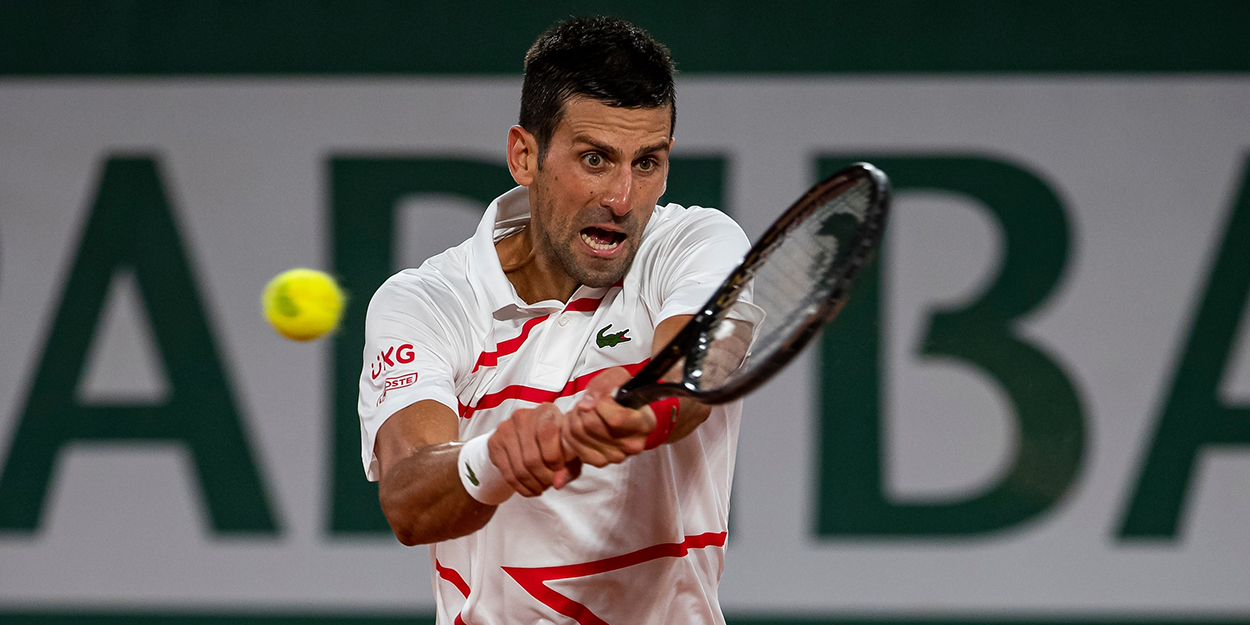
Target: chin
<point>596,273</point>
<point>600,279</point>
<point>604,275</point>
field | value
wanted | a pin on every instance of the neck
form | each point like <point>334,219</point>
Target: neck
<point>535,277</point>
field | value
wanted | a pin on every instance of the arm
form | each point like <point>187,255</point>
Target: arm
<point>692,412</point>
<point>420,489</point>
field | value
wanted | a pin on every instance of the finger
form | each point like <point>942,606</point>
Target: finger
<point>571,441</point>
<point>590,431</point>
<point>600,453</point>
<point>531,453</point>
<point>573,430</point>
<point>536,470</point>
<point>499,456</point>
<point>550,446</point>
<point>629,428</point>
<point>566,448</point>
<point>621,422</point>
<point>505,452</point>
<point>603,386</point>
<point>592,423</point>
<point>559,478</point>
<point>514,473</point>
<point>583,447</point>
<point>568,473</point>
<point>596,441</point>
<point>615,421</point>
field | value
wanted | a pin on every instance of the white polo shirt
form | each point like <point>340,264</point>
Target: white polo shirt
<point>638,542</point>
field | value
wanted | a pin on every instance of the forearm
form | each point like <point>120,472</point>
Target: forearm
<point>691,412</point>
<point>689,416</point>
<point>424,500</point>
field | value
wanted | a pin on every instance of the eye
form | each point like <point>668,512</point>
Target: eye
<point>593,159</point>
<point>647,164</point>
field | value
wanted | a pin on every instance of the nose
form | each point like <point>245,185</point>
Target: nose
<point>617,197</point>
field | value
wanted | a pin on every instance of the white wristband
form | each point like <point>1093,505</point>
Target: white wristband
<point>479,475</point>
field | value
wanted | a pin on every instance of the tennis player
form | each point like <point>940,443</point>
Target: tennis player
<point>486,394</point>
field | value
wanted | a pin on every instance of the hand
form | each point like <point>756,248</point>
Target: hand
<point>600,431</point>
<point>528,451</point>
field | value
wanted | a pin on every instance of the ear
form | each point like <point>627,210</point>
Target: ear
<point>522,155</point>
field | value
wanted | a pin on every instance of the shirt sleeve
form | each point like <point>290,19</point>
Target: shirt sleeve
<point>408,357</point>
<point>694,256</point>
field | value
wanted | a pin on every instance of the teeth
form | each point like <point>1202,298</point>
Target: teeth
<point>596,244</point>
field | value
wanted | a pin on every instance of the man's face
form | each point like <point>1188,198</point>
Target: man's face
<point>594,194</point>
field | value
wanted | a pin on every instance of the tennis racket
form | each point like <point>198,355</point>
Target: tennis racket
<point>792,281</point>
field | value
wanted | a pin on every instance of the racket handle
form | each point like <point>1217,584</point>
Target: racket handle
<point>640,395</point>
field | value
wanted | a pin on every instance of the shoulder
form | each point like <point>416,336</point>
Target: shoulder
<point>432,308</point>
<point>676,216</point>
<point>684,226</point>
<point>439,287</point>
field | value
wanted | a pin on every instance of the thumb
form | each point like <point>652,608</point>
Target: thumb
<point>603,386</point>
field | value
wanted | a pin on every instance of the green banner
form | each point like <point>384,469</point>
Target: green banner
<point>390,37</point>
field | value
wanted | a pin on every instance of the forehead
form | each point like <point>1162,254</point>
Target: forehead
<point>587,118</point>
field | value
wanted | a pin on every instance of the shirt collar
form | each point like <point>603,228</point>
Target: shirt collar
<point>505,215</point>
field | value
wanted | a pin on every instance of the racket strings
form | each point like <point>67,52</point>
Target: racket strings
<point>790,283</point>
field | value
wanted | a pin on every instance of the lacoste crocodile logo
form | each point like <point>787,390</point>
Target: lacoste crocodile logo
<point>611,340</point>
<point>472,477</point>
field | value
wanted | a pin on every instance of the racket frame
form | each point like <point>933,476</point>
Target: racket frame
<point>645,386</point>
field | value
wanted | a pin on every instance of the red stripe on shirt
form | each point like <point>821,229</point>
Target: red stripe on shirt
<point>591,304</point>
<point>538,395</point>
<point>533,579</point>
<point>585,304</point>
<point>510,346</point>
<point>452,576</point>
<point>490,359</point>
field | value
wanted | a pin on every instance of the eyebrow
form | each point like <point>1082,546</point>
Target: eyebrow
<point>659,146</point>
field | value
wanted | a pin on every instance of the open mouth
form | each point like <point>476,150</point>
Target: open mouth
<point>602,240</point>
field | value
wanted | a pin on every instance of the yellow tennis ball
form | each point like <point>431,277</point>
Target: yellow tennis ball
<point>303,304</point>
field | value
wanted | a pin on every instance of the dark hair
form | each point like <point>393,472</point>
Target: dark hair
<point>603,58</point>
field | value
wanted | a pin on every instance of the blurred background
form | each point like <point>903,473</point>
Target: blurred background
<point>1036,408</point>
